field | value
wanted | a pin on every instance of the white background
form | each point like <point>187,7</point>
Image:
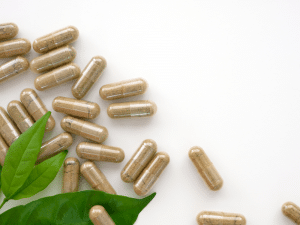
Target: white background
<point>224,75</point>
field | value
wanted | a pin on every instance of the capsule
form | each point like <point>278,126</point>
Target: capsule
<point>88,130</point>
<point>8,30</point>
<point>57,77</point>
<point>131,109</point>
<point>14,47</point>
<point>3,151</point>
<point>13,68</point>
<point>75,107</point>
<point>97,152</point>
<point>123,89</point>
<point>8,129</point>
<point>139,161</point>
<point>55,39</point>
<point>205,168</point>
<point>71,175</point>
<point>212,218</point>
<point>53,59</point>
<point>292,211</point>
<point>99,216</point>
<point>96,178</point>
<point>89,76</point>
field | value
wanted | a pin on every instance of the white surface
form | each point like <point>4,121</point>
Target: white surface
<point>224,75</point>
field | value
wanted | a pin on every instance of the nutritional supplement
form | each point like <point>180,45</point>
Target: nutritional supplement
<point>8,30</point>
<point>97,152</point>
<point>19,115</point>
<point>55,39</point>
<point>151,173</point>
<point>131,109</point>
<point>71,175</point>
<point>292,211</point>
<point>206,218</point>
<point>88,130</point>
<point>123,89</point>
<point>75,107</point>
<point>57,76</point>
<point>13,68</point>
<point>96,178</point>
<point>139,161</point>
<point>99,216</point>
<point>205,168</point>
<point>3,150</point>
<point>36,107</point>
<point>14,47</point>
<point>53,59</point>
<point>8,129</point>
<point>89,76</point>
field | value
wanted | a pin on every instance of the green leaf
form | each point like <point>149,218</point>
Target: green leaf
<point>73,208</point>
<point>0,175</point>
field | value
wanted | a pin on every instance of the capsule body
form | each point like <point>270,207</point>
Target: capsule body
<point>205,168</point>
<point>99,216</point>
<point>3,151</point>
<point>216,218</point>
<point>55,39</point>
<point>292,211</point>
<point>85,129</point>
<point>75,107</point>
<point>8,129</point>
<point>71,175</point>
<point>131,109</point>
<point>36,107</point>
<point>14,47</point>
<point>96,178</point>
<point>53,59</point>
<point>13,68</point>
<point>139,161</point>
<point>8,30</point>
<point>89,76</point>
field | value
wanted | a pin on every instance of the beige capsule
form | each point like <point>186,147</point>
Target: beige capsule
<point>96,178</point>
<point>89,76</point>
<point>75,107</point>
<point>8,30</point>
<point>139,161</point>
<point>8,129</point>
<point>36,107</point>
<point>99,216</point>
<point>57,77</point>
<point>3,151</point>
<point>292,211</point>
<point>13,68</point>
<point>71,175</point>
<point>88,130</point>
<point>14,47</point>
<point>214,218</point>
<point>55,39</point>
<point>205,168</point>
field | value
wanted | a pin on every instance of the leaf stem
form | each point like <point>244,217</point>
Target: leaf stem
<point>4,201</point>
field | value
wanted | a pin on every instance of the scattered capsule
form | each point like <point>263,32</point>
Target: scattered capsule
<point>55,39</point>
<point>151,173</point>
<point>71,175</point>
<point>96,178</point>
<point>292,211</point>
<point>53,59</point>
<point>123,89</point>
<point>99,216</point>
<point>14,47</point>
<point>57,77</point>
<point>3,150</point>
<point>88,130</point>
<point>8,129</point>
<point>75,107</point>
<point>139,161</point>
<point>89,76</point>
<point>8,30</point>
<point>212,218</point>
<point>205,168</point>
<point>97,152</point>
<point>13,68</point>
<point>36,107</point>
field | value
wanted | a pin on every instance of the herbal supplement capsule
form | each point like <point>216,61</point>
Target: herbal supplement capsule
<point>88,77</point>
<point>14,47</point>
<point>123,89</point>
<point>55,39</point>
<point>71,175</point>
<point>13,68</point>
<point>214,218</point>
<point>205,168</point>
<point>19,115</point>
<point>96,178</point>
<point>97,152</point>
<point>36,107</point>
<point>88,130</point>
<point>139,161</point>
<point>8,30</point>
<point>3,150</point>
<point>131,109</point>
<point>57,76</point>
<point>151,173</point>
<point>8,129</point>
<point>53,59</point>
<point>75,107</point>
<point>99,216</point>
<point>292,211</point>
